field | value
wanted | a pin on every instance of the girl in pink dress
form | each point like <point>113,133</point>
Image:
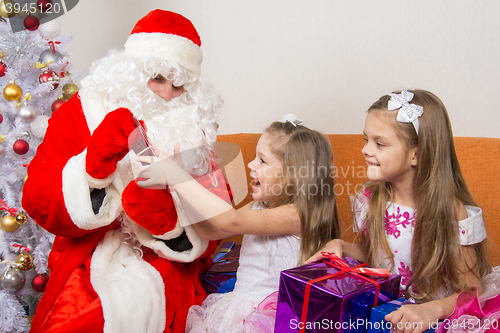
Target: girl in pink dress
<point>417,218</point>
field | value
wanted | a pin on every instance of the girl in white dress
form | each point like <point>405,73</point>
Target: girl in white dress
<point>293,215</point>
<point>416,216</point>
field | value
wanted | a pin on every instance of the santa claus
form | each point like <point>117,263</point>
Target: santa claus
<point>124,259</point>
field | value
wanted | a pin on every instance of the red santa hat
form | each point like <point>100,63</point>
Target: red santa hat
<point>168,36</point>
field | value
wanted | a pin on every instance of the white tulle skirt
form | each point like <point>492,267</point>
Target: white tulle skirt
<point>230,313</point>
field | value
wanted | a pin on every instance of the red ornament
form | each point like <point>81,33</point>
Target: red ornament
<point>39,282</point>
<point>31,22</point>
<point>57,103</point>
<point>3,69</point>
<point>44,5</point>
<point>21,147</point>
<point>1,118</point>
<point>49,76</point>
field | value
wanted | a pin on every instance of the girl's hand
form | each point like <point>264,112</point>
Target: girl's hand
<point>153,174</point>
<point>333,246</point>
<point>414,318</point>
<point>162,171</point>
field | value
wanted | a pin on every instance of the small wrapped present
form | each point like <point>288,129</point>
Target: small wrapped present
<point>223,250</point>
<point>221,277</point>
<point>332,295</point>
<point>377,322</point>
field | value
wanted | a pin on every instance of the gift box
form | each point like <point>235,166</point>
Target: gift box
<point>332,295</point>
<point>377,322</point>
<point>221,276</point>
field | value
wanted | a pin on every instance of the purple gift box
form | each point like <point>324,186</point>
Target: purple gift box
<point>341,303</point>
<point>221,276</point>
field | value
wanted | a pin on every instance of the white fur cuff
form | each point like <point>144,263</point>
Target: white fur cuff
<point>76,193</point>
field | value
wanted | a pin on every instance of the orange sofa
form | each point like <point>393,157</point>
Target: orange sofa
<point>479,159</point>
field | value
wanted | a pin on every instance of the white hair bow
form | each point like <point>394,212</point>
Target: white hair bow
<point>408,113</point>
<point>293,118</point>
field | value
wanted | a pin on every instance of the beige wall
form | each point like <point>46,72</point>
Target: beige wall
<point>325,60</point>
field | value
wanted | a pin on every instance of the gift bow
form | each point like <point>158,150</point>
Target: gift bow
<point>338,263</point>
<point>408,113</point>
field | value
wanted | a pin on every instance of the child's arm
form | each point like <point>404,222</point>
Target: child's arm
<point>430,312</point>
<point>207,230</point>
<point>201,206</point>
<point>340,248</point>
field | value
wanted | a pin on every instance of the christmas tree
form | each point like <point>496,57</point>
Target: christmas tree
<point>34,75</point>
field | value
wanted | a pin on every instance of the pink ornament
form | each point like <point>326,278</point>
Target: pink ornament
<point>39,282</point>
<point>21,147</point>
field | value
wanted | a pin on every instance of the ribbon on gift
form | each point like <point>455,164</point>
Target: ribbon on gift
<point>338,263</point>
<point>12,211</point>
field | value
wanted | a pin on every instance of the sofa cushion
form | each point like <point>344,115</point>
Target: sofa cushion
<point>479,159</point>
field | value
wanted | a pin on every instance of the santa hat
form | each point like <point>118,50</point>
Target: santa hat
<point>168,36</point>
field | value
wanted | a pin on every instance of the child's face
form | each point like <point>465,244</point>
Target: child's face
<point>264,169</point>
<point>385,154</point>
<point>164,87</point>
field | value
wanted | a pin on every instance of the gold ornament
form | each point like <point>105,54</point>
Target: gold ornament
<point>25,261</point>
<point>69,89</point>
<point>25,178</point>
<point>3,138</point>
<point>21,218</point>
<point>12,92</point>
<point>7,9</point>
<point>9,223</point>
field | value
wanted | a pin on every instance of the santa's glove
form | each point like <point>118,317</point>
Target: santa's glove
<point>153,209</point>
<point>109,143</point>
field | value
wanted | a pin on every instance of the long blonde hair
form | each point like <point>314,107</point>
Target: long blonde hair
<point>438,187</point>
<point>306,181</point>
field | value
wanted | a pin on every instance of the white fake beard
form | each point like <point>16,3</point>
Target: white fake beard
<point>175,122</point>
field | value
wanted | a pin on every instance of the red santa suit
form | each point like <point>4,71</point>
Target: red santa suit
<point>115,265</point>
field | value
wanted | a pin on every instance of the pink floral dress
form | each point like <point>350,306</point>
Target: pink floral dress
<point>473,313</point>
<point>399,227</point>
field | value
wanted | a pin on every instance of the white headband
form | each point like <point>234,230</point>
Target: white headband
<point>408,113</point>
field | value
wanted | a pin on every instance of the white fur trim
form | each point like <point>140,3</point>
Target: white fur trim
<point>99,183</point>
<point>76,193</point>
<point>131,291</point>
<point>174,233</point>
<point>94,107</point>
<point>167,47</point>
<point>160,248</point>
